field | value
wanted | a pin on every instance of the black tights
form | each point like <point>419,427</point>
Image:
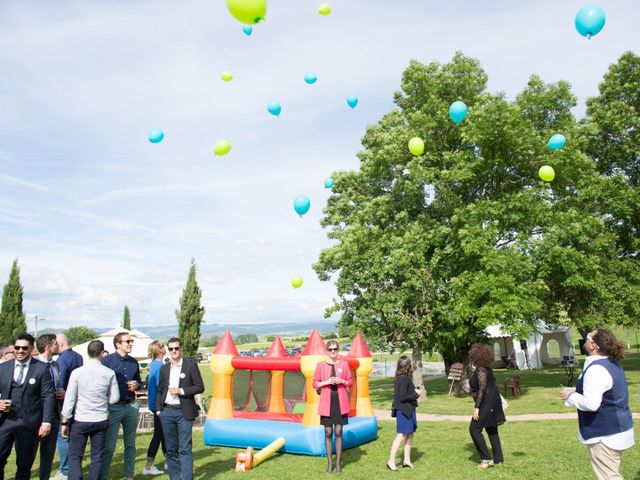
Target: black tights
<point>328,434</point>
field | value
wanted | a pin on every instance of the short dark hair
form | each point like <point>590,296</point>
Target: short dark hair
<point>44,340</point>
<point>24,336</point>
<point>174,340</point>
<point>118,338</point>
<point>95,348</point>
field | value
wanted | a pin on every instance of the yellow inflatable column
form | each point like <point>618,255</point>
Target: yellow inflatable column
<point>313,353</point>
<point>221,397</point>
<point>360,351</point>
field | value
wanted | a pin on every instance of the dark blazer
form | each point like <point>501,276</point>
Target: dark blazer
<point>487,398</point>
<point>405,397</point>
<point>190,382</point>
<point>38,396</point>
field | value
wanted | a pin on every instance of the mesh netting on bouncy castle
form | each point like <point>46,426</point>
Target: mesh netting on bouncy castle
<point>257,399</point>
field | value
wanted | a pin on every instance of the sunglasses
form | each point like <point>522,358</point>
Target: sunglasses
<point>332,349</point>
<point>173,349</point>
<point>126,341</point>
<point>20,347</point>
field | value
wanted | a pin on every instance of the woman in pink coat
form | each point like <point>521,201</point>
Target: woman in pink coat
<point>331,380</point>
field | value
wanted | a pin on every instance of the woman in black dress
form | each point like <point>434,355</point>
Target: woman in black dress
<point>405,401</point>
<point>332,378</point>
<point>488,413</point>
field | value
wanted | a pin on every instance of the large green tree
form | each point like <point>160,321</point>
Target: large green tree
<point>190,314</point>
<point>12,320</point>
<point>431,249</point>
<point>126,318</point>
<point>81,334</point>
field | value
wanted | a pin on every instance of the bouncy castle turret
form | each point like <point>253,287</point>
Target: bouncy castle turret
<point>315,351</point>
<point>276,387</point>
<point>360,352</point>
<point>221,399</point>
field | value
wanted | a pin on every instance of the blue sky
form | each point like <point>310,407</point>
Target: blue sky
<point>99,217</point>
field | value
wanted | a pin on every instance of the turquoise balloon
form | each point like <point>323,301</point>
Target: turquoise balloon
<point>352,101</point>
<point>310,78</point>
<point>590,19</point>
<point>247,29</point>
<point>557,141</point>
<point>328,182</point>
<point>274,109</point>
<point>301,204</point>
<point>457,111</point>
<point>156,135</point>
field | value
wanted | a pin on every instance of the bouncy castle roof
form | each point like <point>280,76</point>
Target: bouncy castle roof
<point>359,348</point>
<point>277,349</point>
<point>315,345</point>
<point>226,346</point>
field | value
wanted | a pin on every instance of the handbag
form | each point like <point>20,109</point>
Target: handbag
<point>504,402</point>
<point>394,412</point>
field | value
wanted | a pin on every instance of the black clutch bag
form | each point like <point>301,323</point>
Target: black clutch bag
<point>393,412</point>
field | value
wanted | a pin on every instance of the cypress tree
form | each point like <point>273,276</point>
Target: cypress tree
<point>12,319</point>
<point>189,315</point>
<point>126,319</point>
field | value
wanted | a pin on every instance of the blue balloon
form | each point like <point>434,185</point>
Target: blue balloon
<point>457,111</point>
<point>328,182</point>
<point>301,204</point>
<point>310,78</point>
<point>590,20</point>
<point>274,108</point>
<point>247,29</point>
<point>557,141</point>
<point>156,135</point>
<point>352,101</point>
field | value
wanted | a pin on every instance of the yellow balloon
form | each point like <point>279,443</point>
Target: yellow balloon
<point>547,173</point>
<point>296,281</point>
<point>222,147</point>
<point>416,146</point>
<point>324,9</point>
<point>248,11</point>
<point>226,75</point>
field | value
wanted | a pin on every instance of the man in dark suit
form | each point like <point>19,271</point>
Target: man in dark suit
<point>27,406</point>
<point>180,382</point>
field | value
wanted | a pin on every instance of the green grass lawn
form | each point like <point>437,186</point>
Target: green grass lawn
<point>442,450</point>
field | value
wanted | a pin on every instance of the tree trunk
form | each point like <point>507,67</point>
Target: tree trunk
<point>416,360</point>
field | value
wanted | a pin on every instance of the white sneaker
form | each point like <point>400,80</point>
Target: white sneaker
<point>152,471</point>
<point>59,476</point>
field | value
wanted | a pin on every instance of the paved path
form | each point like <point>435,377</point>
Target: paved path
<point>432,417</point>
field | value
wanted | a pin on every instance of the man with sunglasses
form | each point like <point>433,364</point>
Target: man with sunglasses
<point>126,411</point>
<point>27,406</point>
<point>180,382</point>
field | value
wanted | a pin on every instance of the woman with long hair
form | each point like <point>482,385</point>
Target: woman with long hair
<point>332,379</point>
<point>405,401</point>
<point>601,397</point>
<point>156,352</point>
<point>488,413</point>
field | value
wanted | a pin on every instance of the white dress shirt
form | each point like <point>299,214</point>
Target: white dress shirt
<point>597,381</point>
<point>16,371</point>
<point>91,389</point>
<point>174,381</point>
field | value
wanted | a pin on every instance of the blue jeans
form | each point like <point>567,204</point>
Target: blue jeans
<point>177,439</point>
<point>63,454</point>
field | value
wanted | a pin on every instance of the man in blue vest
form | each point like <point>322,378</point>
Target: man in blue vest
<point>602,399</point>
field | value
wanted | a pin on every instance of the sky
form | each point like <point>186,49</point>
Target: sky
<point>99,217</point>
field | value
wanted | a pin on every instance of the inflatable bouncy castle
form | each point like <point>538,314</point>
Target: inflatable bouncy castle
<point>257,399</point>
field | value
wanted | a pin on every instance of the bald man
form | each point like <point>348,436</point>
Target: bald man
<point>68,361</point>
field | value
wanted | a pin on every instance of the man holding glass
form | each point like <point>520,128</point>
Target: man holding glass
<point>27,406</point>
<point>126,411</point>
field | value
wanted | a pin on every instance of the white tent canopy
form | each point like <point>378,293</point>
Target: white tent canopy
<point>140,350</point>
<point>532,352</point>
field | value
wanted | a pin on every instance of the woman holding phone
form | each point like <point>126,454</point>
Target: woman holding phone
<point>331,380</point>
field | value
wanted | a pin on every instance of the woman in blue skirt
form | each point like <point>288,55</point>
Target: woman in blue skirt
<point>405,401</point>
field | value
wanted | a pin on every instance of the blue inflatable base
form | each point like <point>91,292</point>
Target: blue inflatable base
<point>244,432</point>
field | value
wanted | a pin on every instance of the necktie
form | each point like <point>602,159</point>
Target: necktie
<point>20,374</point>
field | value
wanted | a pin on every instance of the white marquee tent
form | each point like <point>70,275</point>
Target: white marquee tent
<point>537,352</point>
<point>140,350</point>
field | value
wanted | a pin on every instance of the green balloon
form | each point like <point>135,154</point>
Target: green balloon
<point>296,281</point>
<point>416,146</point>
<point>547,173</point>
<point>324,9</point>
<point>226,75</point>
<point>248,12</point>
<point>222,147</point>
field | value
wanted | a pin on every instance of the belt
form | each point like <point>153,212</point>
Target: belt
<point>170,405</point>
<point>125,402</point>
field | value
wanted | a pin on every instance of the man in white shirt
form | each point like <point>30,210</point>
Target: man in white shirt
<point>601,396</point>
<point>92,388</point>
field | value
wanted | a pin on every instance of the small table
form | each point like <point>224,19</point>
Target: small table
<point>569,368</point>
